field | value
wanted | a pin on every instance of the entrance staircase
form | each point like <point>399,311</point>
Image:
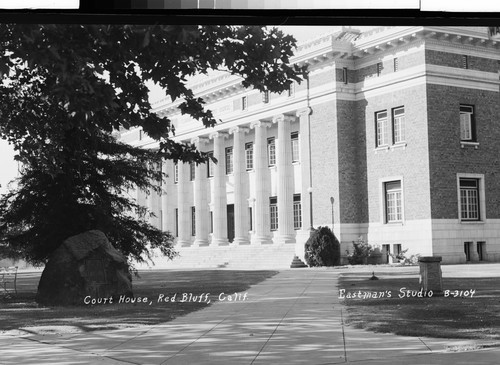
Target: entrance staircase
<point>270,256</point>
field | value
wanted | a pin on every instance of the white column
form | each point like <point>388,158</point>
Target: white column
<point>241,219</point>
<point>201,198</point>
<point>220,196</point>
<point>184,213</point>
<point>286,232</point>
<point>305,167</point>
<point>306,188</point>
<point>262,224</point>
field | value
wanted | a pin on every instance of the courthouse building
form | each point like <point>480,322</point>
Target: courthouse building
<point>394,139</point>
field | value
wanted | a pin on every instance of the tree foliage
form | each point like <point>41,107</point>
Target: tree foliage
<point>67,88</point>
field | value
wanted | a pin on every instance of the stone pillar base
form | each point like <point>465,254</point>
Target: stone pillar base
<point>184,243</point>
<point>286,239</point>
<point>262,240</point>
<point>200,243</point>
<point>430,274</point>
<point>220,242</point>
<point>241,241</point>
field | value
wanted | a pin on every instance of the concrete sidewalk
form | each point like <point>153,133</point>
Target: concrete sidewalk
<point>292,318</point>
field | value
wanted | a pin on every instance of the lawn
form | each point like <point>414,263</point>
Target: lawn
<point>21,313</point>
<point>476,317</point>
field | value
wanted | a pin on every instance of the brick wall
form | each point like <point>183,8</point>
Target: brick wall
<point>455,60</point>
<point>352,164</point>
<point>448,158</point>
<point>411,162</point>
<point>324,161</point>
<point>404,61</point>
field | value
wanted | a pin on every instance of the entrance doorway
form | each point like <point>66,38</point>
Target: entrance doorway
<point>230,222</point>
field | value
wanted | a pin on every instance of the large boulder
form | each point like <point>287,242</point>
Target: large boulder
<point>84,265</point>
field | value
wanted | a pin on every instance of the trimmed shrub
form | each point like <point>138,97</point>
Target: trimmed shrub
<point>322,248</point>
<point>362,250</point>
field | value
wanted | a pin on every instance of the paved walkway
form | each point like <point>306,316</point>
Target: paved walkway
<point>292,318</point>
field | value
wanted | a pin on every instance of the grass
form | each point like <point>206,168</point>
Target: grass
<point>443,317</point>
<point>21,313</point>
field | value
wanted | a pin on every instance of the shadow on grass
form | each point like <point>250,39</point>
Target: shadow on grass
<point>21,312</point>
<point>467,317</point>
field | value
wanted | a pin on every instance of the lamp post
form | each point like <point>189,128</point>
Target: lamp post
<point>332,200</point>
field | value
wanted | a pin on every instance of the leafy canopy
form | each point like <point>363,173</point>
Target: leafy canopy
<point>67,88</point>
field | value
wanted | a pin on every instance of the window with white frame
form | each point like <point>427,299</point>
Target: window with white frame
<point>249,155</point>
<point>295,146</point>
<point>467,124</point>
<point>469,199</point>
<point>381,127</point>
<point>271,151</point>
<point>211,165</point>
<point>297,212</point>
<point>398,124</point>
<point>396,64</point>
<point>291,90</point>
<point>229,160</point>
<point>273,210</point>
<point>244,103</point>
<point>393,201</point>
<point>379,68</point>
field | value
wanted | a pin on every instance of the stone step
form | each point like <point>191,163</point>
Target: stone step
<point>296,263</point>
<point>232,256</point>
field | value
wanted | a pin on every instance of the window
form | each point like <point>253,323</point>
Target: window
<point>344,75</point>
<point>295,146</point>
<point>250,215</point>
<point>398,125</point>
<point>273,209</point>
<point>396,64</point>
<point>469,199</point>
<point>229,160</point>
<point>211,165</point>
<point>244,103</point>
<point>291,90</point>
<point>176,215</point>
<point>192,171</point>
<point>393,202</point>
<point>265,97</point>
<point>211,222</point>
<point>381,129</point>
<point>467,250</point>
<point>140,135</point>
<point>249,155</point>
<point>176,173</point>
<point>379,68</point>
<point>297,212</point>
<point>465,62</point>
<point>397,249</point>
<point>467,123</point>
<point>271,151</point>
<point>481,250</point>
<point>193,221</point>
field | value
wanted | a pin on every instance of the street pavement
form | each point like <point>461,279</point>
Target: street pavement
<point>294,317</point>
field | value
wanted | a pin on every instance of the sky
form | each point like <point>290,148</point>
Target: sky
<point>8,167</point>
